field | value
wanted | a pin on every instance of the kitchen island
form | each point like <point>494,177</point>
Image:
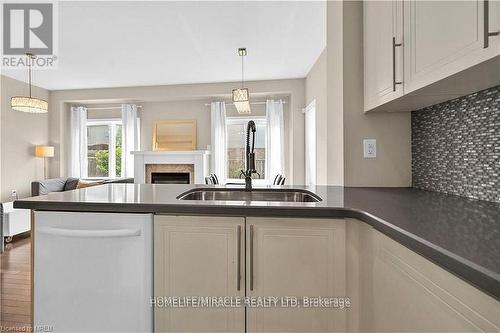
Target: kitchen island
<point>422,236</point>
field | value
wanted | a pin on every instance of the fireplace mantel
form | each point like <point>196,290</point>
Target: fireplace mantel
<point>198,158</point>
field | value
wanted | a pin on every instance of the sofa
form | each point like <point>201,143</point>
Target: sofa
<point>46,186</point>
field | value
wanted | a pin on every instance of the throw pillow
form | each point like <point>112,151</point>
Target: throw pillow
<point>86,183</point>
<point>71,184</point>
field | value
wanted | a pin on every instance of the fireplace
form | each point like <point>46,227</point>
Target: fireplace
<point>170,178</point>
<point>169,174</point>
<point>194,162</point>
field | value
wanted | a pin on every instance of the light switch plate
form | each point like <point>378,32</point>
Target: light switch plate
<point>369,148</point>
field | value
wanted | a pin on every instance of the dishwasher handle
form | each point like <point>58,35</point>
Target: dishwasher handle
<point>80,233</point>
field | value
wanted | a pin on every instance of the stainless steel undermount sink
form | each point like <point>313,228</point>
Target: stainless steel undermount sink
<point>275,195</point>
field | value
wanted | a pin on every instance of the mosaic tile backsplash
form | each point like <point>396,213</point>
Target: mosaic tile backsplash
<point>456,146</point>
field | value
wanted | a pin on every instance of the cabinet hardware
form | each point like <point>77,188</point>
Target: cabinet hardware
<point>111,233</point>
<point>251,257</point>
<point>394,45</point>
<point>238,260</point>
<point>486,20</point>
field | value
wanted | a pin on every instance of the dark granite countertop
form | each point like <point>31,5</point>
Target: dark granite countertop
<point>459,234</point>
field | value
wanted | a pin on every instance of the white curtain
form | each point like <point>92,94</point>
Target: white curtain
<point>218,142</point>
<point>130,138</point>
<point>275,138</point>
<point>78,158</point>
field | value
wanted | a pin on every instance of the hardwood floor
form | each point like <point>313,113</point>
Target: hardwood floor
<point>15,284</point>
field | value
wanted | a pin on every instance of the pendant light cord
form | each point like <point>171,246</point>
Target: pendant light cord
<point>242,71</point>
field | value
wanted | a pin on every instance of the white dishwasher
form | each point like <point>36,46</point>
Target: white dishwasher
<point>93,271</point>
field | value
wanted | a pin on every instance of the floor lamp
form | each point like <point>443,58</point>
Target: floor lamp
<point>45,152</point>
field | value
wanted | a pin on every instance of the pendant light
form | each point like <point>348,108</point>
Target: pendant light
<point>241,96</point>
<point>28,103</point>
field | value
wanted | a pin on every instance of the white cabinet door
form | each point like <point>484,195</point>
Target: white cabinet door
<point>404,292</point>
<point>295,257</point>
<point>442,38</point>
<point>199,256</point>
<point>383,51</point>
<point>493,25</point>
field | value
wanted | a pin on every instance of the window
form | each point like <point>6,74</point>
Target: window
<point>236,141</point>
<point>104,148</point>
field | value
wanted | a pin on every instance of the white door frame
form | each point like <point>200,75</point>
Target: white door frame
<point>310,161</point>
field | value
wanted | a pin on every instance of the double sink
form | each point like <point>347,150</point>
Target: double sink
<point>235,194</point>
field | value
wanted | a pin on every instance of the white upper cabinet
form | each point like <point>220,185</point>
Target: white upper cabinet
<point>444,37</point>
<point>493,9</point>
<point>418,53</point>
<point>383,52</point>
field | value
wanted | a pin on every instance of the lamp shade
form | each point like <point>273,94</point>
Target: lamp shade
<point>44,151</point>
<point>240,100</point>
<point>29,104</point>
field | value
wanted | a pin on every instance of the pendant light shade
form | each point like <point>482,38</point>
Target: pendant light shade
<point>241,98</point>
<point>241,101</point>
<point>29,104</point>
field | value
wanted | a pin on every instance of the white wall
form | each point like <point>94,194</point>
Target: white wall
<point>316,90</point>
<point>154,111</point>
<point>199,109</point>
<point>194,109</point>
<point>19,133</point>
<point>336,83</point>
<point>392,166</point>
<point>183,102</point>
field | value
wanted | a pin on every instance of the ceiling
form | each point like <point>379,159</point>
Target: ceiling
<point>139,43</point>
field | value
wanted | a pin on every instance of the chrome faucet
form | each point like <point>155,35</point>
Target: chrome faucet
<point>250,156</point>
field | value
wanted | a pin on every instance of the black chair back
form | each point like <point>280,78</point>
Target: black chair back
<point>211,179</point>
<point>279,180</point>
